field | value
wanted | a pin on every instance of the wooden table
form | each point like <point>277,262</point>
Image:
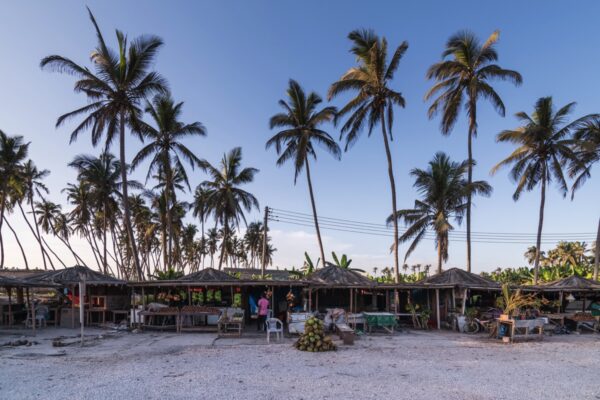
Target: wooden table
<point>192,312</point>
<point>123,313</point>
<point>161,318</point>
<point>100,311</point>
<point>230,327</point>
<point>384,320</point>
<point>526,326</point>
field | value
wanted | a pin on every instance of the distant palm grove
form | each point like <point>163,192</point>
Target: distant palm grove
<point>136,230</point>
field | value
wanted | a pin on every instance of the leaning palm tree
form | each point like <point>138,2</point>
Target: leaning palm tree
<point>13,153</point>
<point>166,149</point>
<point>444,192</point>
<point>464,77</point>
<point>587,149</point>
<point>544,146</point>
<point>374,102</point>
<point>301,132</point>
<point>225,197</point>
<point>115,87</point>
<point>200,207</point>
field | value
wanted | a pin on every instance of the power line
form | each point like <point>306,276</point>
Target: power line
<point>366,228</point>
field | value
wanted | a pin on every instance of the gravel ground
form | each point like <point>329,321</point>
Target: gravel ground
<point>414,365</point>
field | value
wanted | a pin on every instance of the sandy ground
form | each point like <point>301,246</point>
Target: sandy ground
<point>408,365</point>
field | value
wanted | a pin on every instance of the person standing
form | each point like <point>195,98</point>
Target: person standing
<point>263,311</point>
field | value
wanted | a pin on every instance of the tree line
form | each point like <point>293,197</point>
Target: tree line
<point>138,234</point>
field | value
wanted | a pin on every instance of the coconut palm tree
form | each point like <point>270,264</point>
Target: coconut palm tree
<point>52,220</point>
<point>543,147</point>
<point>115,87</point>
<point>374,102</point>
<point>587,149</point>
<point>166,149</point>
<point>200,207</point>
<point>34,186</point>
<point>226,199</point>
<point>463,77</point>
<point>13,153</point>
<point>103,176</point>
<point>301,121</point>
<point>444,191</point>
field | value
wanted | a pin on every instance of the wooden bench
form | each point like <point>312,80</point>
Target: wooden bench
<point>346,333</point>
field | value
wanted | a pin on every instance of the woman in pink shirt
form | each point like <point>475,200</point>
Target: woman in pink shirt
<point>263,311</point>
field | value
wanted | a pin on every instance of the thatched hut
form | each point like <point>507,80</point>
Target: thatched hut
<point>334,286</point>
<point>574,293</point>
<point>571,284</point>
<point>455,286</point>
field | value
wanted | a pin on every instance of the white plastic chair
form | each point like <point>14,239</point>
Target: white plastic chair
<point>40,317</point>
<point>276,326</point>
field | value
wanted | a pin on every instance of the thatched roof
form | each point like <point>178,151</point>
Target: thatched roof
<point>252,273</point>
<point>455,277</point>
<point>74,275</point>
<point>333,276</point>
<point>208,275</point>
<point>10,282</point>
<point>571,283</point>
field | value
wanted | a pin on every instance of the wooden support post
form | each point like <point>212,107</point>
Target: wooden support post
<point>437,307</point>
<point>387,300</point>
<point>453,301</point>
<point>310,300</point>
<point>10,315</point>
<point>317,300</point>
<point>264,247</point>
<point>73,305</point>
<point>82,308</point>
<point>464,304</point>
<point>560,298</point>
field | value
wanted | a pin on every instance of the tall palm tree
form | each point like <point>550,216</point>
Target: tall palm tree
<point>587,149</point>
<point>374,102</point>
<point>463,77</point>
<point>34,186</point>
<point>227,200</point>
<point>116,86</point>
<point>200,207</point>
<point>52,220</point>
<point>13,153</point>
<point>301,121</point>
<point>544,146</point>
<point>166,149</point>
<point>103,175</point>
<point>444,192</point>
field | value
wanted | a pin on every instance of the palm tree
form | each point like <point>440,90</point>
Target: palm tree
<point>200,208</point>
<point>374,102</point>
<point>226,199</point>
<point>33,177</point>
<point>444,192</point>
<point>115,88</point>
<point>212,242</point>
<point>166,149</point>
<point>464,77</point>
<point>13,152</point>
<point>544,146</point>
<point>587,149</point>
<point>103,176</point>
<point>301,122</point>
<point>52,220</point>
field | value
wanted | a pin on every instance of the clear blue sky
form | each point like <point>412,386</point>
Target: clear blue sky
<point>230,62</point>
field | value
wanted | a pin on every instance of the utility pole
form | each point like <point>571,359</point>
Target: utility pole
<point>264,249</point>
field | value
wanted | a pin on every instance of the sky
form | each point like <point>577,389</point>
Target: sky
<point>230,62</point>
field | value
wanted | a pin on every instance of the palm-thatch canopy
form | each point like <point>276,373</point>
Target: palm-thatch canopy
<point>72,276</point>
<point>273,274</point>
<point>10,282</point>
<point>571,283</point>
<point>209,275</point>
<point>458,278</point>
<point>333,276</point>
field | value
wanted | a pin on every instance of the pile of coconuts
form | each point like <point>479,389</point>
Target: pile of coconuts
<point>313,339</point>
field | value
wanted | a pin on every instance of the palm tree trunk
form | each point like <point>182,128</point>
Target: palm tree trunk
<point>18,242</point>
<point>127,216</point>
<point>536,265</point>
<point>597,253</point>
<point>37,236</point>
<point>472,132</point>
<point>169,219</point>
<point>104,244</point>
<point>314,210</point>
<point>53,253</point>
<point>2,205</point>
<point>94,252</point>
<point>439,250</point>
<point>165,251</point>
<point>223,244</point>
<point>388,155</point>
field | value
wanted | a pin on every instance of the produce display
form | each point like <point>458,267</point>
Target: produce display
<point>313,339</point>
